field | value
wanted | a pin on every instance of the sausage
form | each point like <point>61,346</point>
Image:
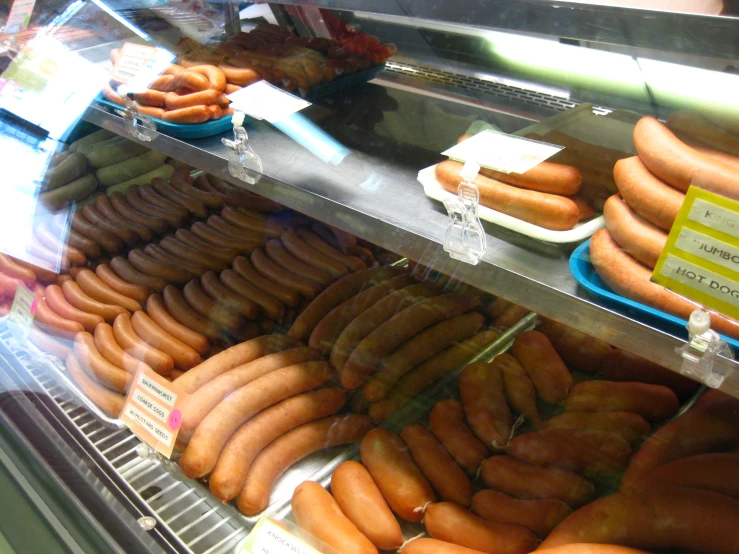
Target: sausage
<point>654,402</point>
<point>401,482</point>
<point>548,177</point>
<point>150,266</point>
<point>212,200</point>
<point>698,127</point>
<point>247,199</point>
<point>192,80</point>
<point>229,475</point>
<point>317,513</point>
<point>124,279</point>
<point>330,327</point>
<point>226,297</point>
<point>173,69</point>
<point>707,428</point>
<point>151,97</point>
<point>546,210</point>
<point>210,309</point>
<point>46,343</point>
<point>207,397</point>
<point>150,195</point>
<point>450,522</point>
<point>42,274</point>
<point>203,184</point>
<point>127,211</point>
<point>280,255</point>
<point>419,349</point>
<point>292,447</point>
<point>77,297</point>
<point>352,263</point>
<point>361,501</point>
<point>484,403</point>
<point>105,207</point>
<point>434,546</point>
<point>157,113</point>
<point>631,426</point>
<point>169,192</point>
<point>252,221</point>
<point>517,387</point>
<point>678,164</point>
<point>528,481</point>
<point>182,312</point>
<point>109,348</point>
<point>152,210</point>
<point>444,474</point>
<point>273,308</point>
<point>636,236</point>
<point>235,232</point>
<point>209,234</point>
<point>447,423</point>
<point>578,350</point>
<point>549,374</point>
<point>157,311</point>
<point>215,76</point>
<point>652,199</point>
<point>110,242</point>
<point>306,253</point>
<point>58,303</point>
<point>629,278</point>
<point>225,255</point>
<point>97,367</point>
<point>184,357</point>
<point>372,318</point>
<point>288,296</point>
<point>107,400</point>
<point>16,271</point>
<point>191,255</point>
<point>54,324</point>
<point>163,256</point>
<point>586,451</point>
<point>423,376</point>
<point>671,517</point>
<point>239,75</point>
<point>54,258</point>
<point>397,330</point>
<point>539,516</point>
<point>308,288</point>
<point>92,215</point>
<point>192,114</point>
<point>8,286</point>
<point>164,83</point>
<point>134,345</point>
<point>47,239</point>
<point>211,435</point>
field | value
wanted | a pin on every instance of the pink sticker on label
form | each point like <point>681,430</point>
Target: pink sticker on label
<point>34,305</point>
<point>175,419</point>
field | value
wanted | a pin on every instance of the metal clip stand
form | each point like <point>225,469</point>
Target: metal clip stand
<point>465,238</point>
<point>242,160</point>
<point>138,125</point>
<point>700,352</point>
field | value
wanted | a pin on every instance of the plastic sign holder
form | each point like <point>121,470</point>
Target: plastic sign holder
<point>465,238</point>
<point>138,125</point>
<point>243,162</point>
<point>701,350</point>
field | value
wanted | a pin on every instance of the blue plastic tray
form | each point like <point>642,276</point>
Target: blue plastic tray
<point>340,84</point>
<point>179,130</point>
<point>585,274</point>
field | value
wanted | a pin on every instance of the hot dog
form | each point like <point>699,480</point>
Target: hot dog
<point>95,288</point>
<point>210,309</point>
<point>549,374</point>
<point>105,207</point>
<point>225,255</point>
<point>524,480</point>
<point>164,83</point>
<point>306,253</point>
<point>548,177</point>
<point>352,263</point>
<point>226,297</point>
<point>151,196</point>
<point>361,500</point>
<point>109,348</point>
<point>124,279</point>
<point>77,298</point>
<point>447,423</point>
<point>56,300</point>
<point>191,80</point>
<point>191,255</point>
<point>631,426</point>
<point>627,277</point>
<point>134,345</point>
<point>184,357</point>
<point>288,296</point>
<point>636,236</point>
<point>239,76</point>
<point>546,210</point>
<point>307,288</point>
<point>292,447</point>
<point>109,401</point>
<point>401,482</point>
<point>484,403</point>
<point>215,76</point>
<point>209,234</point>
<point>157,311</point>
<point>201,98</point>
<point>210,199</point>
<point>152,210</point>
<point>517,386</point>
<point>97,367</point>
<point>51,322</point>
<point>16,271</point>
<point>163,256</point>
<point>539,516</point>
<point>444,474</point>
<point>152,97</point>
<point>169,272</point>
<point>279,254</point>
<point>110,242</point>
<point>52,242</point>
<point>578,350</point>
<point>41,273</point>
<point>192,205</point>
<point>317,512</point>
<point>435,546</point>
<point>449,522</point>
<point>182,312</point>
<point>92,215</point>
<point>272,307</point>
<point>251,221</point>
<point>192,114</point>
<point>654,402</point>
<point>89,247</point>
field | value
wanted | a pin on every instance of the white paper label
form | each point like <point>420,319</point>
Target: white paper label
<point>22,312</point>
<point>269,538</point>
<point>161,433</point>
<point>153,387</point>
<point>701,280</point>
<point>708,248</point>
<point>501,152</point>
<point>715,217</point>
<point>265,101</point>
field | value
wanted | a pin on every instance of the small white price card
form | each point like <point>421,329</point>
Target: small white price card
<point>152,410</point>
<point>265,101</point>
<point>501,152</point>
<point>21,313</point>
<point>19,16</point>
<point>268,537</point>
<point>139,65</point>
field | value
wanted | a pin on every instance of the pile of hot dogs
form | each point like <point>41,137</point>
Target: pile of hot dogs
<point>651,190</point>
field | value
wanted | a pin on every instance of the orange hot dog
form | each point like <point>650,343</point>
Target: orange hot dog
<point>226,297</point>
<point>97,367</point>
<point>306,253</point>
<point>109,348</point>
<point>272,308</point>
<point>157,311</point>
<point>350,262</point>
<point>181,311</point>
<point>161,255</point>
<point>153,98</point>
<point>633,427</point>
<point>226,255</point>
<point>96,289</point>
<point>549,374</point>
<point>56,300</point>
<point>308,288</point>
<point>653,402</point>
<point>107,275</point>
<point>52,242</point>
<point>184,357</point>
<point>99,220</point>
<point>150,266</point>
<point>109,401</point>
<point>207,233</point>
<point>193,114</point>
<point>483,399</point>
<point>191,255</point>
<point>281,256</point>
<point>210,309</point>
<point>191,80</point>
<point>16,271</point>
<point>636,236</point>
<point>548,177</point>
<point>539,516</point>
<point>134,345</point>
<point>239,76</point>
<point>446,421</point>
<point>578,350</point>
<point>203,98</point>
<point>152,210</point>
<point>163,83</point>
<point>51,322</point>
<point>110,242</point>
<point>517,386</point>
<point>105,207</point>
<point>546,210</point>
<point>435,546</point>
<point>215,76</point>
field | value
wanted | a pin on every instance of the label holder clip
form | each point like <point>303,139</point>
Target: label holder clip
<point>138,125</point>
<point>465,238</point>
<point>701,350</point>
<point>243,162</point>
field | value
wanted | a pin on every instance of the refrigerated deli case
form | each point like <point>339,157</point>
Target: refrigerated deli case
<point>246,289</point>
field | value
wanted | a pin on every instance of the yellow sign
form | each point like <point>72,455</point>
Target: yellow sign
<point>701,258</point>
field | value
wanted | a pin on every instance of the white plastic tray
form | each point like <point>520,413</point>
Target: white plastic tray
<point>582,231</point>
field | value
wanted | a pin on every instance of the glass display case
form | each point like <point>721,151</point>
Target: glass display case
<point>334,274</point>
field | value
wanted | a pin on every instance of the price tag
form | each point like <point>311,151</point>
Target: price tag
<point>501,152</point>
<point>140,65</point>
<point>265,101</point>
<point>21,313</point>
<point>152,410</point>
<point>19,16</point>
<point>701,258</point>
<point>268,537</point>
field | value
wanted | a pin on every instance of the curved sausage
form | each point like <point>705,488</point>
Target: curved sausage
<point>163,256</point>
<point>126,210</point>
<point>52,242</point>
<point>226,297</point>
<point>252,221</point>
<point>110,349</point>
<point>157,311</point>
<point>181,311</point>
<point>184,357</point>
<point>77,298</point>
<point>637,237</point>
<point>539,516</point>
<point>16,271</point>
<point>517,386</point>
<point>56,300</point>
<point>54,324</point>
<point>169,192</point>
<point>209,234</point>
<point>216,77</point>
<point>192,114</point>
<point>308,288</point>
<point>286,295</point>
<point>653,402</point>
<point>549,374</point>
<point>103,204</point>
<point>134,345</point>
<point>107,400</point>
<point>92,215</point>
<point>151,196</point>
<point>150,266</point>
<point>225,255</point>
<point>110,242</point>
<point>446,421</point>
<point>97,367</point>
<point>212,200</point>
<point>224,227</point>
<point>239,75</point>
<point>192,80</point>
<point>273,308</point>
<point>548,177</point>
<point>107,275</point>
<point>191,255</point>
<point>306,253</point>
<point>134,198</point>
<point>484,403</point>
<point>96,289</point>
<point>352,263</point>
<point>210,309</point>
<point>280,255</point>
<point>629,425</point>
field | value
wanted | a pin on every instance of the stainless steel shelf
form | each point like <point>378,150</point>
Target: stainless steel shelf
<point>374,194</point>
<point>712,36</point>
